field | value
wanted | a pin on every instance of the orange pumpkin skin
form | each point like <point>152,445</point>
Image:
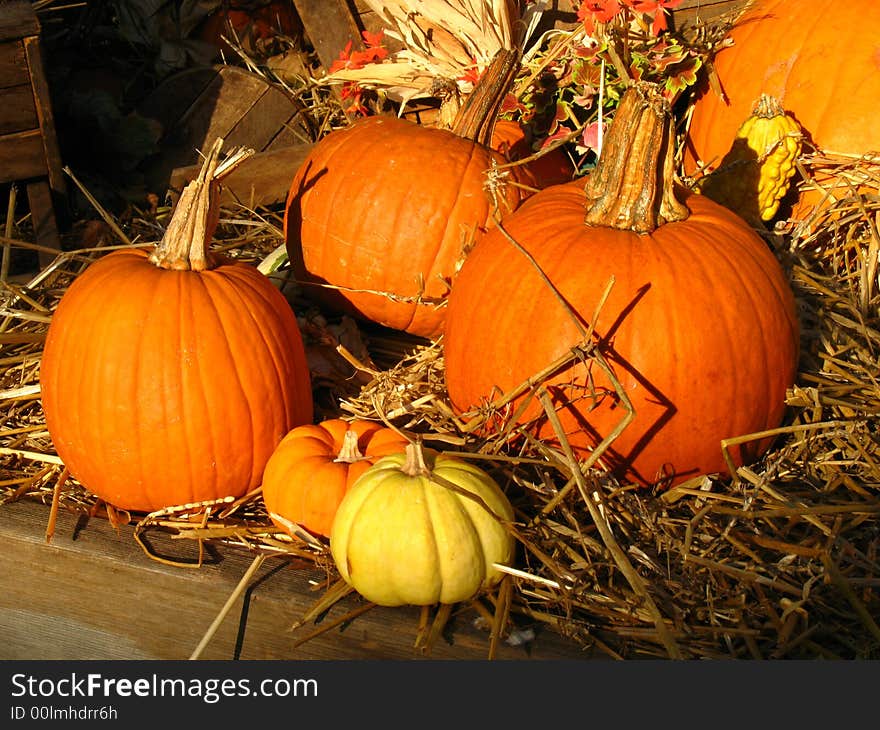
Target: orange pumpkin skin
<point>386,210</point>
<point>165,387</point>
<point>820,59</point>
<point>551,168</point>
<point>304,481</point>
<point>699,327</point>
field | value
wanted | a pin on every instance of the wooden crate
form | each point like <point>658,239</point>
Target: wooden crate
<point>29,152</point>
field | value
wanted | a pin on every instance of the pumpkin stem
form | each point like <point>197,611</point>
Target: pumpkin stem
<point>349,452</point>
<point>415,464</point>
<point>191,229</point>
<point>476,119</point>
<point>633,185</point>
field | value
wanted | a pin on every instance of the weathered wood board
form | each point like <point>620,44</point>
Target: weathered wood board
<point>29,151</point>
<point>93,593</point>
<point>261,180</point>
<point>197,105</point>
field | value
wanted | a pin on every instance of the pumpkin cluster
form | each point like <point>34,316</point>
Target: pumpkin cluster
<point>637,321</point>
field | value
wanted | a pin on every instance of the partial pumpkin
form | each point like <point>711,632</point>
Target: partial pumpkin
<point>699,324</point>
<point>315,465</point>
<point>170,377</point>
<point>820,60</point>
<point>421,528</point>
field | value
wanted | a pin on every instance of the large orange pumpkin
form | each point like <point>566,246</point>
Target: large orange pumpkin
<point>699,325</point>
<point>819,59</point>
<point>170,377</point>
<point>315,464</point>
<point>381,214</point>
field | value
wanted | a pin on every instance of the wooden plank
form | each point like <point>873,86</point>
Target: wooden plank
<point>261,180</point>
<point>219,107</point>
<point>329,25</point>
<point>17,19</point>
<point>264,120</point>
<point>18,113</point>
<point>22,156</point>
<point>91,593</point>
<point>175,95</point>
<point>46,117</point>
<point>694,12</point>
<point>13,65</point>
<point>223,101</point>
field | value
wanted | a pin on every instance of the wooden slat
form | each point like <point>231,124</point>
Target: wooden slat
<point>22,156</point>
<point>93,594</point>
<point>42,207</point>
<point>261,180</point>
<point>18,113</point>
<point>13,65</point>
<point>266,117</point>
<point>195,107</point>
<point>329,25</point>
<point>692,12</point>
<point>17,19</point>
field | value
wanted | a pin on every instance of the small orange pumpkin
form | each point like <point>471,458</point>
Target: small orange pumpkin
<point>315,464</point>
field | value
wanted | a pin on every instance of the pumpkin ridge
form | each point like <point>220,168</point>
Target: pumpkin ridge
<point>234,300</point>
<point>218,300</point>
<point>451,207</point>
<point>143,469</point>
<point>116,299</point>
<point>275,349</point>
<point>82,296</point>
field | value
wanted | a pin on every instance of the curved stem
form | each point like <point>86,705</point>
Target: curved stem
<point>191,229</point>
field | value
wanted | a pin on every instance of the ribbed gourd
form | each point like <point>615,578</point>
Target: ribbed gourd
<point>755,174</point>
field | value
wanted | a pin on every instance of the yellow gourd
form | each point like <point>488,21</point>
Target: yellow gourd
<point>755,174</point>
<point>421,528</point>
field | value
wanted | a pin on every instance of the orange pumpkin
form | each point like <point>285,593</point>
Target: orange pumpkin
<point>820,60</point>
<point>699,324</point>
<point>170,377</point>
<point>315,465</point>
<point>381,213</point>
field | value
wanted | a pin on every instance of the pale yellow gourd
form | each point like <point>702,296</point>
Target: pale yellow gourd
<point>421,528</point>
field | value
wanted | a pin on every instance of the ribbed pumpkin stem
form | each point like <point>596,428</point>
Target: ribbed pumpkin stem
<point>191,229</point>
<point>476,119</point>
<point>415,464</point>
<point>349,452</point>
<point>633,185</point>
